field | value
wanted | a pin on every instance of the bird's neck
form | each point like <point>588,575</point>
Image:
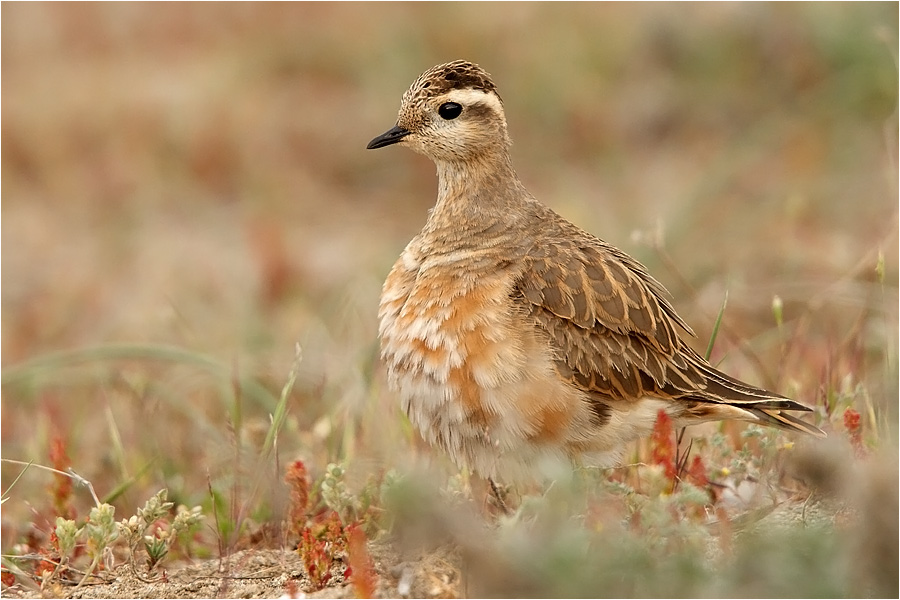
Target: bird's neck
<point>477,194</point>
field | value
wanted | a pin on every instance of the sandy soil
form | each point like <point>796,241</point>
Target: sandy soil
<point>272,574</point>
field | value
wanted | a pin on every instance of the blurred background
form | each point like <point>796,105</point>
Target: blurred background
<point>186,195</point>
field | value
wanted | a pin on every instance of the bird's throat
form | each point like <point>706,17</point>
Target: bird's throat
<point>476,193</point>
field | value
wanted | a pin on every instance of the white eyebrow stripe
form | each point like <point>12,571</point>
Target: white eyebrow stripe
<point>472,96</point>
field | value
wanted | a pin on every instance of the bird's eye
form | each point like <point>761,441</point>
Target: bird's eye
<point>450,110</point>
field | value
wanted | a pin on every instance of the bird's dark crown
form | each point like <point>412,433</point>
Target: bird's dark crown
<point>456,75</point>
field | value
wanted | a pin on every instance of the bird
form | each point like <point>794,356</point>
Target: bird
<point>510,335</point>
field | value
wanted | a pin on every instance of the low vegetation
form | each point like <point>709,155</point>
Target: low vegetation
<point>186,197</point>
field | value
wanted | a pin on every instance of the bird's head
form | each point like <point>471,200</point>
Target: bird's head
<point>451,113</point>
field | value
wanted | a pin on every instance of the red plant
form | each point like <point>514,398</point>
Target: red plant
<point>61,490</point>
<point>853,425</point>
<point>361,571</point>
<point>49,559</point>
<point>298,482</point>
<point>323,538</point>
<point>320,545</point>
<point>697,473</point>
<point>662,444</point>
<point>316,559</point>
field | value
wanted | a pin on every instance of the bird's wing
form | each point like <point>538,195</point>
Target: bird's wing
<point>616,335</point>
<point>610,322</point>
<point>614,329</point>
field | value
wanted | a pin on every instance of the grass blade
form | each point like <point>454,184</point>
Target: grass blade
<point>715,331</point>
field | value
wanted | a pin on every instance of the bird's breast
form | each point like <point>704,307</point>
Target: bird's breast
<point>473,374</point>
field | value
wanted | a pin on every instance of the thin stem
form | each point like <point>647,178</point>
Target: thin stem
<point>70,473</point>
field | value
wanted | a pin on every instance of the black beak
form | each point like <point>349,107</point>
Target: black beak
<point>391,136</point>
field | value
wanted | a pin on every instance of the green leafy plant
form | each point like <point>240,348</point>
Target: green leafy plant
<point>150,529</point>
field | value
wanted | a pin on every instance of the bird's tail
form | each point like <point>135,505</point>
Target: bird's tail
<point>725,397</point>
<point>780,418</point>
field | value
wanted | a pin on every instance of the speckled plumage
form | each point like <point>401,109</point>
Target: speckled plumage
<point>509,333</point>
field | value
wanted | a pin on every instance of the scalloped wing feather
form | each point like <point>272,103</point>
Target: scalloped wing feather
<point>615,335</point>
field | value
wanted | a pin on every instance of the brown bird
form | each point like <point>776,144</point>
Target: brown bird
<point>510,334</point>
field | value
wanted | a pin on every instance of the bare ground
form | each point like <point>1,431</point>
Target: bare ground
<point>270,574</point>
